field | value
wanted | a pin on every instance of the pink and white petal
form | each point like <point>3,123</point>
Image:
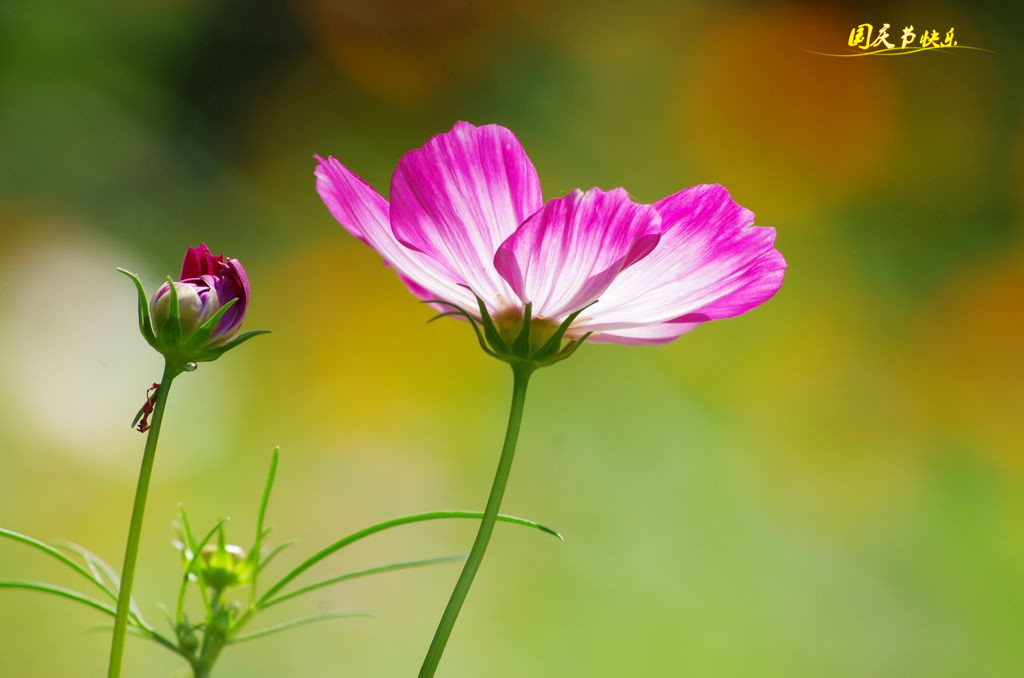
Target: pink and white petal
<point>569,252</point>
<point>365,214</point>
<point>460,196</point>
<point>661,333</point>
<point>711,260</point>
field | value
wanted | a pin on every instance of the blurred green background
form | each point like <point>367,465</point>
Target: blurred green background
<point>828,486</point>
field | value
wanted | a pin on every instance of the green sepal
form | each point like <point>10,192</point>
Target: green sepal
<point>570,348</point>
<point>216,352</point>
<point>446,314</point>
<point>521,345</point>
<point>551,348</point>
<point>170,333</point>
<point>490,331</point>
<point>459,311</point>
<point>202,335</point>
<point>518,351</point>
<point>145,322</point>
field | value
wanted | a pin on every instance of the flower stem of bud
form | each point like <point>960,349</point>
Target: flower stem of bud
<point>135,527</point>
<point>521,376</point>
<point>214,637</point>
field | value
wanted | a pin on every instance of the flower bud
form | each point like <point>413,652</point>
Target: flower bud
<point>207,285</point>
<point>223,566</point>
<point>187,639</point>
<point>197,302</point>
<point>196,317</point>
<point>226,280</point>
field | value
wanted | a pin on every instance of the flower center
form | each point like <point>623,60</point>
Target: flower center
<point>509,323</point>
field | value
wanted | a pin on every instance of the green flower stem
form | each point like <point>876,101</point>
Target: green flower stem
<point>135,527</point>
<point>214,637</point>
<point>521,377</point>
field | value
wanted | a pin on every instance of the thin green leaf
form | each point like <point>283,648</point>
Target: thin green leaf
<point>141,633</point>
<point>186,529</point>
<point>221,538</point>
<point>96,563</point>
<point>190,538</point>
<point>180,614</point>
<point>388,524</point>
<point>101,571</point>
<point>70,594</point>
<point>262,633</point>
<point>53,553</point>
<point>58,591</point>
<point>268,487</point>
<point>261,515</point>
<point>132,631</point>
<point>403,565</point>
<point>86,556</point>
<point>273,554</point>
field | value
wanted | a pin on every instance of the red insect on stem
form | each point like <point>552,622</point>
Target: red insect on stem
<point>141,421</point>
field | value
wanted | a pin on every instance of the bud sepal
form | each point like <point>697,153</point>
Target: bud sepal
<point>521,340</point>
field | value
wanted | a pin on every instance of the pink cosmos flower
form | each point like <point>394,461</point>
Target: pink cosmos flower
<point>467,225</point>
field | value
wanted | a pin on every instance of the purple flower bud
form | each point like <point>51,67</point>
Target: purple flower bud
<point>197,302</point>
<point>207,283</point>
<point>226,278</point>
<point>196,317</point>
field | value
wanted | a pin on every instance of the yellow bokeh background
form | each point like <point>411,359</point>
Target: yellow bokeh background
<point>829,485</point>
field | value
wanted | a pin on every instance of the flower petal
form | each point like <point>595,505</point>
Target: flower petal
<point>570,251</point>
<point>365,214</point>
<point>232,283</point>
<point>200,261</point>
<point>660,333</point>
<point>460,196</point>
<point>711,263</point>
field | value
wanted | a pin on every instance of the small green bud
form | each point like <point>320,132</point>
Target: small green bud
<point>222,566</point>
<point>220,624</point>
<point>187,639</point>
